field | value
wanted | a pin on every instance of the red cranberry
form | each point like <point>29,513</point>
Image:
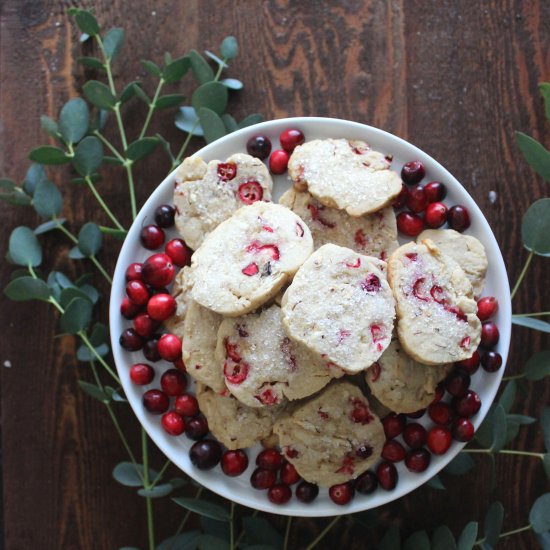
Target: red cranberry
<point>487,307</point>
<point>161,306</point>
<point>145,326</point>
<point>412,172</point>
<point>440,413</point>
<point>393,425</point>
<point>250,192</point>
<point>278,161</point>
<point>414,435</point>
<point>439,440</point>
<point>387,476</point>
<point>469,365</point>
<point>173,382</point>
<point>179,364</point>
<point>234,463</point>
<point>259,146</point>
<point>173,423</point>
<point>137,292</point>
<point>416,414</point>
<point>489,334</point>
<point>417,460</point>
<point>366,483</point>
<point>342,493</point>
<point>151,351</point>
<point>439,393</point>
<point>152,237</point>
<point>459,218</point>
<point>187,405</point>
<point>279,493</point>
<point>133,272</point>
<point>227,171</point>
<point>410,224</point>
<point>205,454</point>
<point>158,270</point>
<point>307,492</point>
<point>142,374</point>
<point>289,475</point>
<point>128,309</point>
<point>401,199</point>
<point>435,215</point>
<point>164,215</point>
<point>291,138</point>
<point>468,405</point>
<point>155,401</point>
<point>169,347</point>
<point>416,199</point>
<point>197,428</point>
<point>262,478</point>
<point>269,459</point>
<point>435,191</point>
<point>457,383</point>
<point>491,361</point>
<point>130,340</point>
<point>179,252</point>
<point>463,429</point>
<point>393,451</point>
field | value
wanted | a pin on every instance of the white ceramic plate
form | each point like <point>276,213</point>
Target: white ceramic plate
<point>176,448</point>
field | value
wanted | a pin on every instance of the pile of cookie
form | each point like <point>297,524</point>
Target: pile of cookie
<point>305,322</point>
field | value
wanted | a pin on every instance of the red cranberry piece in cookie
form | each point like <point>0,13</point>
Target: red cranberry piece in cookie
<point>251,269</point>
<point>360,413</point>
<point>231,350</point>
<point>268,397</point>
<point>371,284</point>
<point>374,371</point>
<point>226,171</point>
<point>418,291</point>
<point>235,373</point>
<point>250,192</point>
<point>299,230</point>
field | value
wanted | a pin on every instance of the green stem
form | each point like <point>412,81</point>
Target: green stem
<point>504,452</point>
<point>184,147</point>
<point>101,269</point>
<point>161,473</point>
<point>64,230</point>
<point>100,359</point>
<point>513,377</point>
<point>514,531</point>
<point>152,106</point>
<point>323,533</point>
<point>232,527</point>
<point>185,518</point>
<point>109,145</point>
<point>539,314</point>
<point>220,69</point>
<point>149,504</point>
<point>131,189</point>
<point>522,274</point>
<point>101,202</point>
<point>287,531</point>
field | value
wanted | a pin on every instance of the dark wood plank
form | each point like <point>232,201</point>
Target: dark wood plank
<point>454,80</point>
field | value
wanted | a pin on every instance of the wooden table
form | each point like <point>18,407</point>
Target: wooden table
<point>455,78</point>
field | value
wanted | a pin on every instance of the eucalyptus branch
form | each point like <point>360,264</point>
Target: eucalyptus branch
<point>522,274</point>
<point>148,501</point>
<point>480,542</point>
<point>152,107</point>
<point>179,156</point>
<point>101,202</point>
<point>100,359</point>
<point>185,519</point>
<point>323,533</point>
<point>109,145</point>
<point>242,533</point>
<point>538,314</point>
<point>161,473</point>
<point>504,452</point>
<point>287,532</point>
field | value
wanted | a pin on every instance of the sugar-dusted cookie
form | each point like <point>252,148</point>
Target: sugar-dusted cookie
<point>372,234</point>
<point>207,194</point>
<point>331,437</point>
<point>263,366</point>
<point>180,291</point>
<point>341,307</point>
<point>436,312</point>
<point>248,258</point>
<point>344,174</point>
<point>466,250</point>
<point>234,424</point>
<point>402,384</point>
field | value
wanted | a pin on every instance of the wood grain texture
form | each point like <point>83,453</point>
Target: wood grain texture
<point>455,78</point>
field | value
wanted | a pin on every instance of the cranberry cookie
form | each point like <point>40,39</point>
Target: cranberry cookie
<point>402,384</point>
<point>207,194</point>
<point>372,234</point>
<point>436,312</point>
<point>466,250</point>
<point>344,174</point>
<point>180,291</point>
<point>331,437</point>
<point>341,307</point>
<point>263,366</point>
<point>247,259</point>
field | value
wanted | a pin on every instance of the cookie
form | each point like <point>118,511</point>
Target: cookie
<point>263,366</point>
<point>343,174</point>
<point>341,307</point>
<point>331,437</point>
<point>248,258</point>
<point>180,291</point>
<point>436,312</point>
<point>372,234</point>
<point>466,250</point>
<point>402,384</point>
<point>207,194</point>
<point>232,423</point>
<point>200,330</point>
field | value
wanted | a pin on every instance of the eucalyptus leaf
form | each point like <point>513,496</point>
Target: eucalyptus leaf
<point>417,541</point>
<point>215,528</point>
<point>499,428</point>
<point>85,355</point>
<point>69,294</point>
<point>259,530</point>
<point>492,524</point>
<point>112,42</point>
<point>461,464</point>
<point>212,95</point>
<point>539,516</point>
<point>74,119</point>
<point>49,125</point>
<point>232,83</point>
<point>53,285</point>
<point>178,482</point>
<point>88,156</point>
<point>546,464</point>
<point>76,254</point>
<point>91,62</point>
<point>229,47</point>
<point>49,226</point>
<point>215,58</point>
<point>90,239</point>
<point>436,483</point>
<point>212,125</point>
<point>93,391</point>
<point>188,121</point>
<point>535,228</point>
<point>118,396</point>
<point>544,88</point>
<point>101,118</point>
<point>166,146</point>
<point>47,200</point>
<point>529,322</point>
<point>113,160</point>
<point>27,288</point>
<point>13,194</point>
<point>129,91</point>
<point>201,69</point>
<point>508,396</point>
<point>545,424</point>
<point>35,174</point>
<point>520,419</point>
<point>468,537</point>
<point>391,539</point>
<point>230,123</point>
<point>250,120</point>
<point>208,542</point>
<point>131,476</point>
<point>63,280</point>
<point>538,366</point>
<point>167,58</point>
<point>141,148</point>
<point>156,492</point>
<point>140,93</point>
<point>99,94</point>
<point>46,154</point>
<point>171,100</point>
<point>204,508</point>
<point>87,23</point>
<point>536,155</point>
<point>185,541</point>
<point>176,70</point>
<point>443,539</point>
<point>91,292</point>
<point>99,334</point>
<point>77,316</point>
<point>544,540</point>
<point>151,67</point>
<point>24,248</point>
